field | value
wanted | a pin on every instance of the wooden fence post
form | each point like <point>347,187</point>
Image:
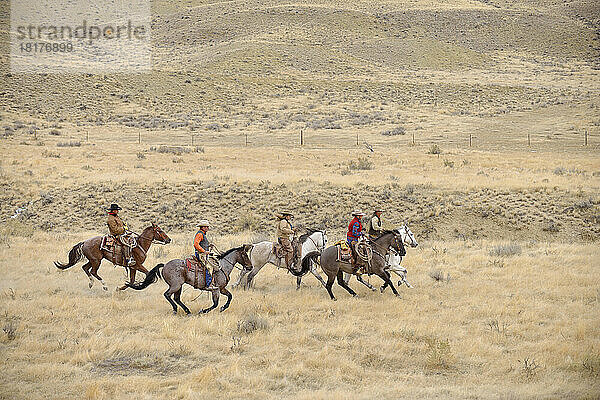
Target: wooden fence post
<point>470,140</point>
<point>585,138</point>
<point>139,137</point>
<point>529,139</point>
<point>301,137</point>
<point>246,138</point>
<point>357,138</point>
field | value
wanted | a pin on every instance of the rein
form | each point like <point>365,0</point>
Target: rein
<point>151,239</point>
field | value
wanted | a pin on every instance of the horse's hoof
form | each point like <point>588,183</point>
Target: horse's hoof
<point>399,283</point>
<point>398,295</point>
<point>105,288</point>
<point>174,312</point>
<point>373,289</point>
<point>90,285</point>
<point>222,309</point>
<point>334,299</point>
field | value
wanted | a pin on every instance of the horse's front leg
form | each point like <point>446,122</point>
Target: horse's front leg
<point>243,273</point>
<point>313,270</point>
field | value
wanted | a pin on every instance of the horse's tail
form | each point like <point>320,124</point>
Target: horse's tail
<point>310,257</point>
<point>153,276</point>
<point>74,256</point>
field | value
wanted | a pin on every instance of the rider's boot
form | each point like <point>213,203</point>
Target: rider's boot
<point>288,260</point>
<point>128,257</point>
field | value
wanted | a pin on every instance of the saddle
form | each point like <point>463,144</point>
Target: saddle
<point>344,251</point>
<point>111,245</point>
<point>199,269</point>
<point>280,252</point>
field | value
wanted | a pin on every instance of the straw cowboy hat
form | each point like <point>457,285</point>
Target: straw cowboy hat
<point>203,222</point>
<point>358,213</point>
<point>283,214</point>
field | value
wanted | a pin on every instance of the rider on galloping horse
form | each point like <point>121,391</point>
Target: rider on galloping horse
<point>118,229</point>
<point>354,233</point>
<point>202,246</point>
<point>284,231</point>
<point>375,227</point>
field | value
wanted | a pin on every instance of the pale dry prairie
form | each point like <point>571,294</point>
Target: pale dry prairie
<point>518,79</point>
<point>467,337</point>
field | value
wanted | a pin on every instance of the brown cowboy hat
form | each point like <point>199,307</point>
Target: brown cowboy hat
<point>114,207</point>
<point>358,212</point>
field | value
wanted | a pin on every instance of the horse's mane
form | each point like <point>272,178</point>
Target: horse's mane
<point>305,236</point>
<point>386,232</point>
<point>221,256</point>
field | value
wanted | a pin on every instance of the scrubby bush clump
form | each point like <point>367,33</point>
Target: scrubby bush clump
<point>506,250</point>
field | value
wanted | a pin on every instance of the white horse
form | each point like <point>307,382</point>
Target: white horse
<point>393,259</point>
<point>262,253</point>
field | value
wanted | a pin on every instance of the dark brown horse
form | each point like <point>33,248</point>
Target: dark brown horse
<point>328,260</point>
<point>176,274</point>
<point>92,251</point>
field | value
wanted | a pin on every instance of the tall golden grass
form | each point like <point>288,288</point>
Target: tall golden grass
<point>520,326</point>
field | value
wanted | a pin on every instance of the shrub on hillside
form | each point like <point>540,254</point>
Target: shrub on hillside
<point>506,250</point>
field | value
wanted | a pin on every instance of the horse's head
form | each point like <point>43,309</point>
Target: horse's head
<point>407,236</point>
<point>244,259</point>
<point>398,244</point>
<point>324,232</point>
<point>159,235</point>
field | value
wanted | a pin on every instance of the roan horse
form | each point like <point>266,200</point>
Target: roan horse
<point>175,273</point>
<point>334,268</point>
<point>262,253</point>
<point>92,251</point>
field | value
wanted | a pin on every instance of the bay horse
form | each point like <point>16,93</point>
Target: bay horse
<point>334,268</point>
<point>92,251</point>
<point>176,274</point>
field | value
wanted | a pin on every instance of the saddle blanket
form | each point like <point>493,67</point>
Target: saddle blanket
<point>191,267</point>
<point>108,243</point>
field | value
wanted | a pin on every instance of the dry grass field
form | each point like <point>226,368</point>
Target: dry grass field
<point>471,119</point>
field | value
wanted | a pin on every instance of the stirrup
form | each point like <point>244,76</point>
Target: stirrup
<point>130,262</point>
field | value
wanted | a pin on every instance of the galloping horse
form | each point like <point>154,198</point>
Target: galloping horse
<point>393,260</point>
<point>92,251</point>
<point>262,253</point>
<point>176,274</point>
<point>334,268</point>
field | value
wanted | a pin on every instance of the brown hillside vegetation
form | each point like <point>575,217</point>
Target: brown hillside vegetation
<point>477,122</point>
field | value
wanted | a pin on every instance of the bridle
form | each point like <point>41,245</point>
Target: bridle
<point>152,239</point>
<point>233,264</point>
<point>320,248</point>
<point>412,238</point>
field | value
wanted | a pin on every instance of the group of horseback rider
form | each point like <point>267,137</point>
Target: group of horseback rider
<point>285,235</point>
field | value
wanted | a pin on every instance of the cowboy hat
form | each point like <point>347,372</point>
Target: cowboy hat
<point>203,222</point>
<point>358,212</point>
<point>114,207</point>
<point>378,210</point>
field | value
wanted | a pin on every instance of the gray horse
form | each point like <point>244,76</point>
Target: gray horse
<point>334,268</point>
<point>175,273</point>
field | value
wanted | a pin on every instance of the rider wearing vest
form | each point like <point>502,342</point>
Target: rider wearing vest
<point>354,232</point>
<point>118,229</point>
<point>375,225</point>
<point>201,244</point>
<point>284,231</point>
